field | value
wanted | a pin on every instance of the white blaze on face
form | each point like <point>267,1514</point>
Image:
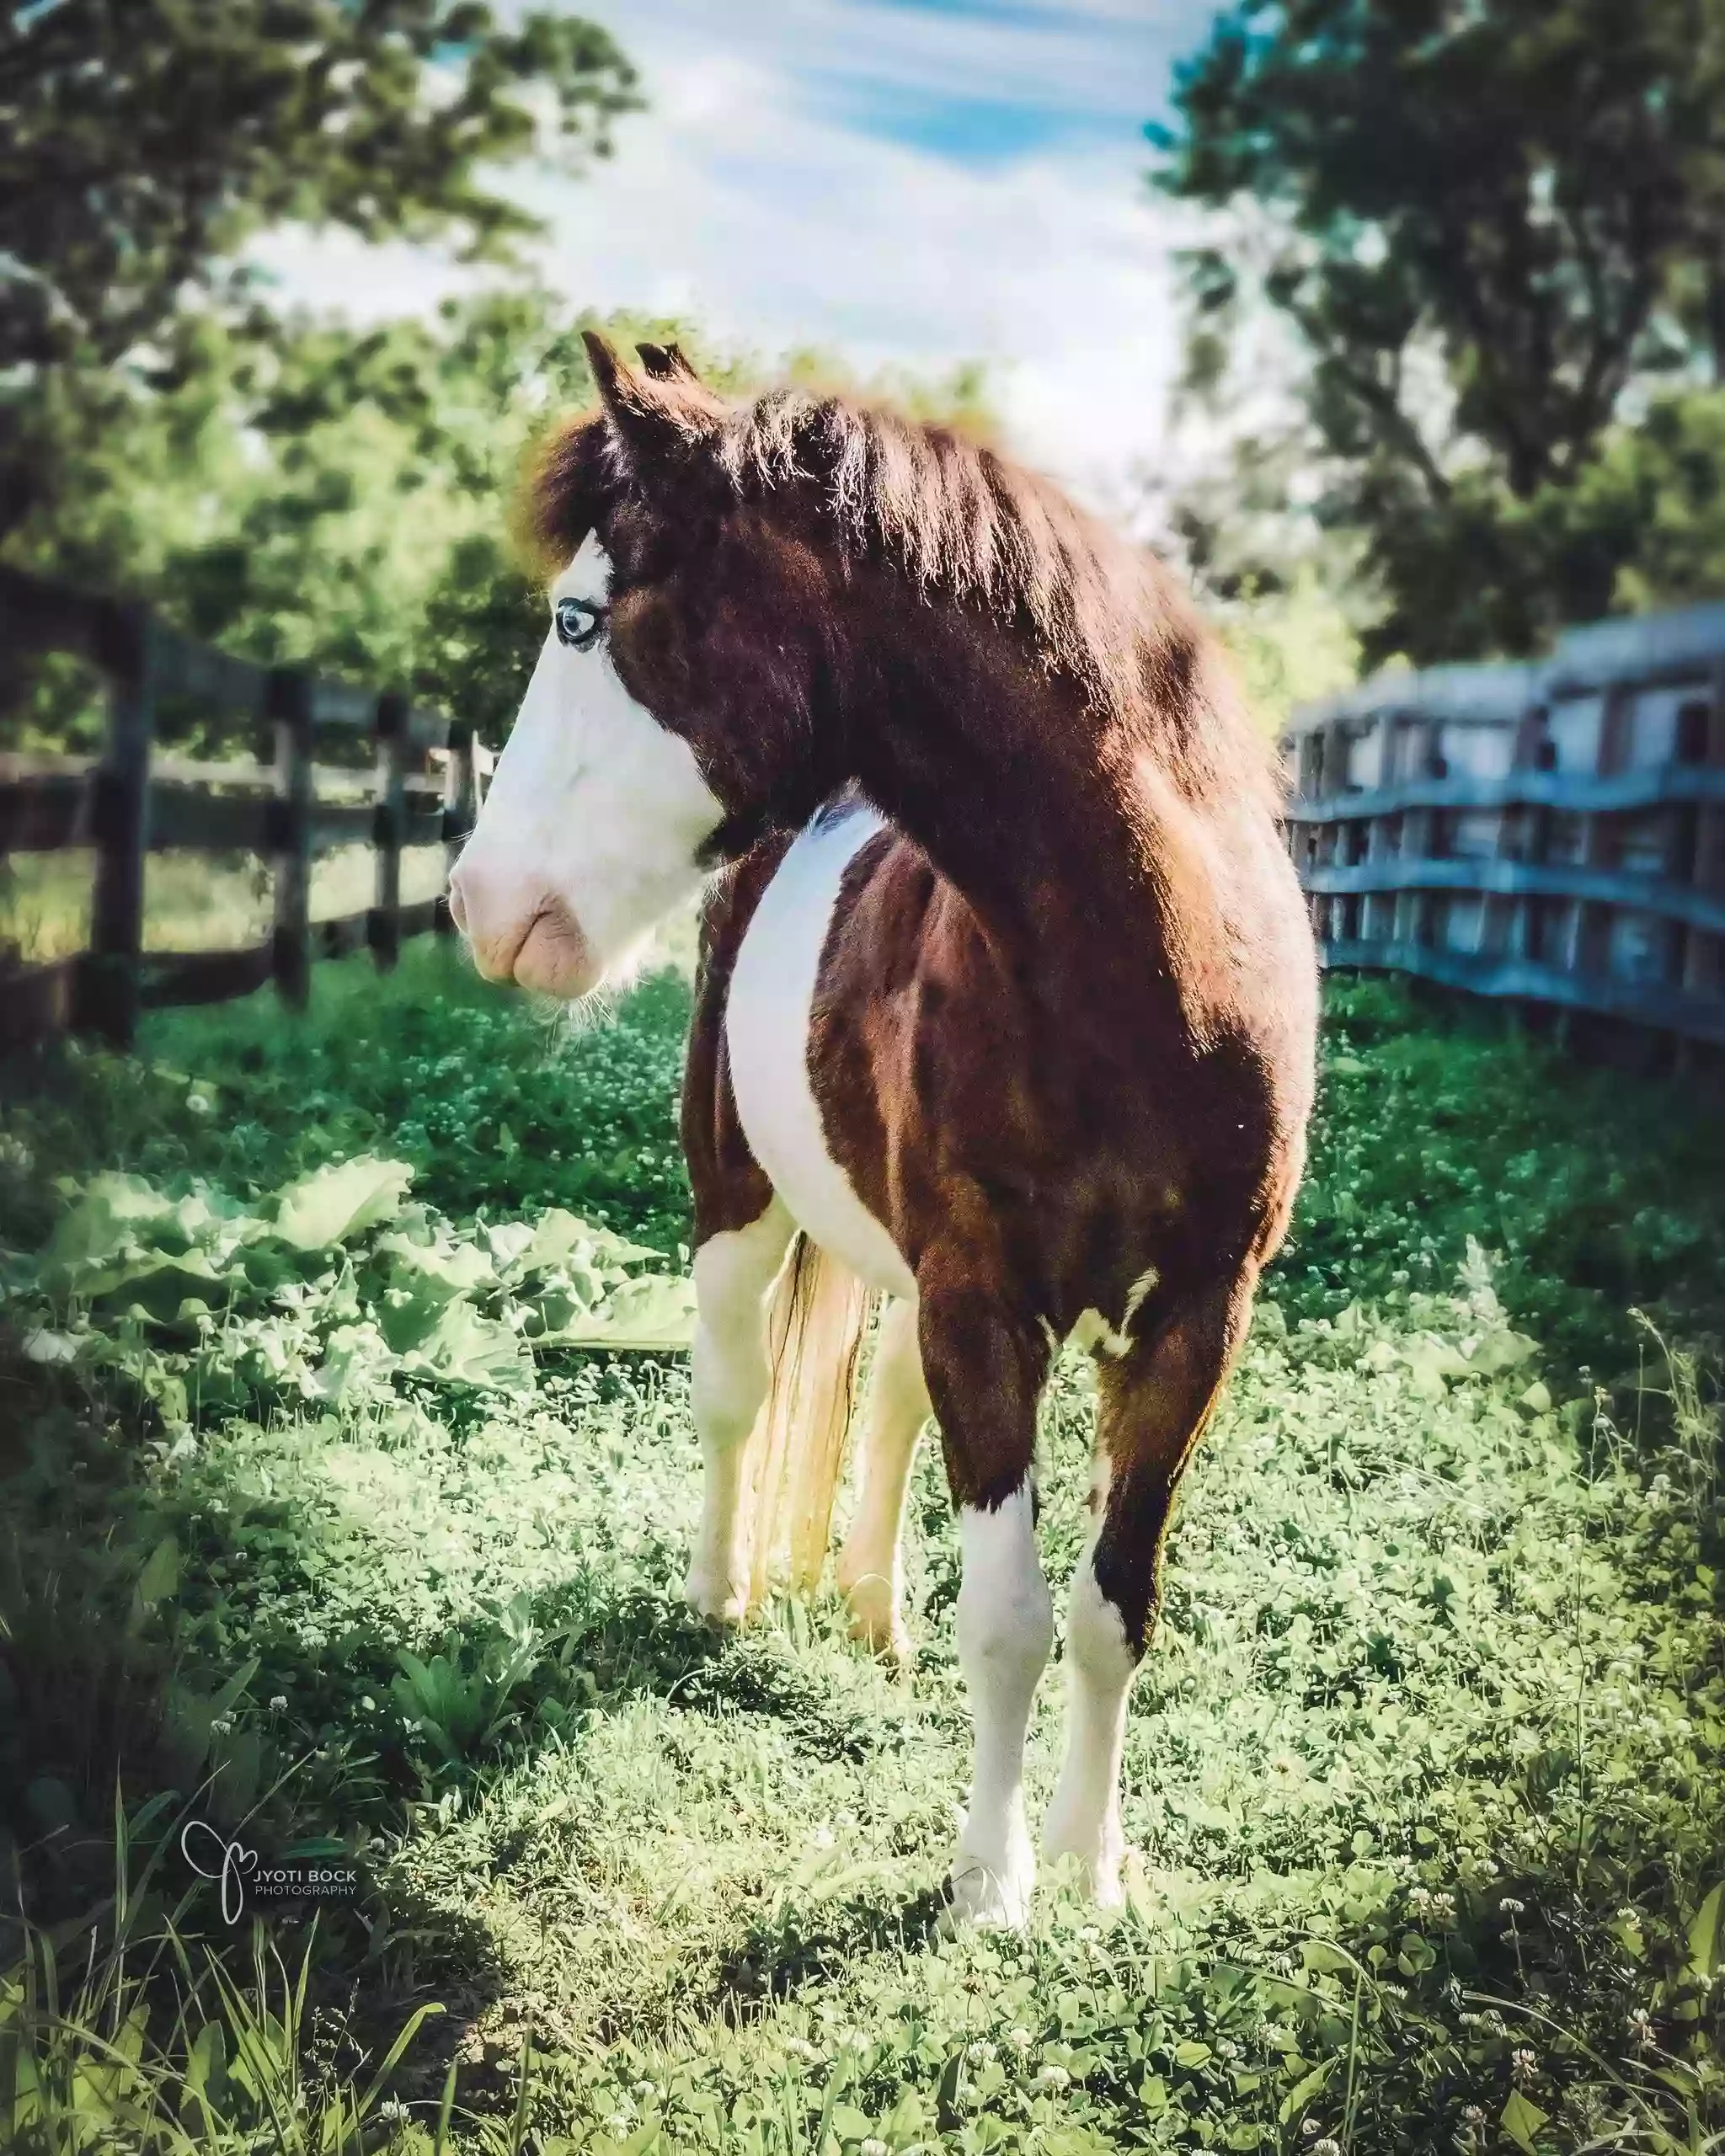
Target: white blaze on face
<point>596,814</point>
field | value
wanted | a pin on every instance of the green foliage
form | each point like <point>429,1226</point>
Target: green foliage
<point>122,201</point>
<point>330,1291</point>
<point>1485,226</point>
<point>1434,1138</point>
<point>1291,646</point>
<point>303,493</point>
<point>1423,1774</point>
<point>86,2069</point>
<point>1640,525</point>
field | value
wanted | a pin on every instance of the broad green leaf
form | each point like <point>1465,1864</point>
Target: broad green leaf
<point>1303,2091</point>
<point>1501,1351</point>
<point>1432,1362</point>
<point>108,1216</point>
<point>466,1348</point>
<point>45,1346</point>
<point>1521,2121</point>
<point>1704,1935</point>
<point>161,1573</point>
<point>656,1311</point>
<point>337,1202</point>
<point>358,1363</point>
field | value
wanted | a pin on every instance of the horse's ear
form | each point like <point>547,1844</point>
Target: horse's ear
<point>668,363</point>
<point>653,414</point>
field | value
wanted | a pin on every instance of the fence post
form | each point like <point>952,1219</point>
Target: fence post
<point>290,708</point>
<point>461,797</point>
<point>107,1001</point>
<point>383,923</point>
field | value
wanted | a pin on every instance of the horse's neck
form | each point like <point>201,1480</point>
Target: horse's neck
<point>1017,793</point>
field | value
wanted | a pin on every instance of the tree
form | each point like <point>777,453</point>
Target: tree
<point>1487,221</point>
<point>143,141</point>
<point>300,492</point>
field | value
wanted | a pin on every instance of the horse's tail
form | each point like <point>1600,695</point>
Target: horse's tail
<point>815,1320</point>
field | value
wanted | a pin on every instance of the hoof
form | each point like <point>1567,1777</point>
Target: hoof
<point>874,1596</point>
<point>890,1643</point>
<point>875,1622</point>
<point>1092,1865</point>
<point>982,1898</point>
<point>710,1595</point>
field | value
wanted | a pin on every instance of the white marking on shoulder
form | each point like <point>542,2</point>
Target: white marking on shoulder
<point>766,1022</point>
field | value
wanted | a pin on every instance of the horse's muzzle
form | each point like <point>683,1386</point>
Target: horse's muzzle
<point>545,949</point>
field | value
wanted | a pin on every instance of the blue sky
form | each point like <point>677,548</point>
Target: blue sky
<point>912,182</point>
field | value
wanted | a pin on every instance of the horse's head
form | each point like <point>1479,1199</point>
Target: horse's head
<point>672,718</point>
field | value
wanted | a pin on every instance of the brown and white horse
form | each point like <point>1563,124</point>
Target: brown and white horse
<point>1005,1009</point>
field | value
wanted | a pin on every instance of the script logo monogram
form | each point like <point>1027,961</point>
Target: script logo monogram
<point>234,1863</point>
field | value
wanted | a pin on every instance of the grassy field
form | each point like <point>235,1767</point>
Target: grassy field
<point>313,1517</point>
<point>192,901</point>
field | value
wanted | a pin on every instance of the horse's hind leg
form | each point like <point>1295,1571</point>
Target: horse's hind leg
<point>1154,1402</point>
<point>735,1271</point>
<point>870,1565</point>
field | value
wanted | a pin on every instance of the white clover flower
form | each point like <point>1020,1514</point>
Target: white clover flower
<point>1473,2116</point>
<point>223,1725</point>
<point>616,2125</point>
<point>1640,2027</point>
<point>1020,2039</point>
<point>1511,1907</point>
<point>980,2053</point>
<point>873,2146</point>
<point>1524,2064</point>
<point>1326,2147</point>
<point>278,1706</point>
<point>1054,2077</point>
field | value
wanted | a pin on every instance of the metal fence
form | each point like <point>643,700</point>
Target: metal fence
<point>1551,833</point>
<point>130,802</point>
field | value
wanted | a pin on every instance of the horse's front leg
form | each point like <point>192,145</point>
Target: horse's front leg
<point>985,1372</point>
<point>1154,1401</point>
<point>871,1564</point>
<point>735,1271</point>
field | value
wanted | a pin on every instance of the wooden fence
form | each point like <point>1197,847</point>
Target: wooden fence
<point>130,802</point>
<point>1551,834</point>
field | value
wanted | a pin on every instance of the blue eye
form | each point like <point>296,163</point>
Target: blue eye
<point>580,623</point>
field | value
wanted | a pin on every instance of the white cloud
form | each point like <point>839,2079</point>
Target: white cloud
<point>738,200</point>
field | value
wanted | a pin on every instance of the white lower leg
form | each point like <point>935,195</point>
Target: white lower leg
<point>734,1273</point>
<point>1006,1628</point>
<point>1084,1819</point>
<point>870,1565</point>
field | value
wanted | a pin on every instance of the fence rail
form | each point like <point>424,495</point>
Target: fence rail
<point>1552,835</point>
<point>129,803</point>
